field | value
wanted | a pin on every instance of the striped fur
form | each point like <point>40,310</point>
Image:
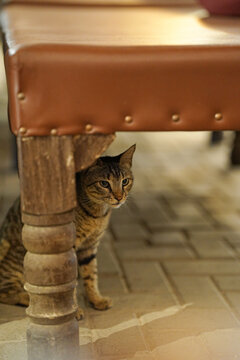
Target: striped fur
<point>100,188</point>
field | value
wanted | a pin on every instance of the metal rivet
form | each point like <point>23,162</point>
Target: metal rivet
<point>218,116</point>
<point>20,96</point>
<point>54,132</point>
<point>22,131</point>
<point>88,127</point>
<point>128,119</point>
<point>175,117</point>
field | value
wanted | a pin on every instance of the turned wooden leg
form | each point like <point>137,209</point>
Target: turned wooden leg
<point>47,178</point>
<point>235,154</point>
<point>216,137</point>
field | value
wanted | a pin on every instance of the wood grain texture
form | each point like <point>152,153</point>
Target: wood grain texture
<point>53,342</point>
<point>46,220</point>
<point>88,148</point>
<point>46,167</point>
<point>48,197</point>
<point>49,239</point>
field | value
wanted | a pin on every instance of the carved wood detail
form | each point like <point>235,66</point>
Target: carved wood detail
<point>88,148</point>
<point>47,167</point>
<point>48,197</point>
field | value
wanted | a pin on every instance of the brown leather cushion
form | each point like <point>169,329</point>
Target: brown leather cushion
<point>107,2</point>
<point>106,66</point>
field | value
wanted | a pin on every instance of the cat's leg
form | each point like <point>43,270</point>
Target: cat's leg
<point>88,270</point>
<point>14,296</point>
<point>12,279</point>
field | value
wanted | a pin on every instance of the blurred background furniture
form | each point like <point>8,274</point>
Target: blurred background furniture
<point>78,72</point>
<point>222,7</point>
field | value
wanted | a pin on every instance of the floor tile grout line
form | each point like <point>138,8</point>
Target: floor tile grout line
<point>119,262</point>
<point>224,299</point>
<point>229,244</point>
<point>190,245</point>
<point>172,287</point>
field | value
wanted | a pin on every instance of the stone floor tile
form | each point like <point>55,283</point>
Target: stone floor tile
<point>154,253</point>
<point>11,312</point>
<point>111,318</point>
<point>129,231</point>
<point>228,235</point>
<point>190,348</point>
<point>143,276</point>
<point>122,343</point>
<point>125,212</point>
<point>190,326</point>
<point>230,219</point>
<point>193,222</point>
<point>234,299</point>
<point>203,267</point>
<point>125,307</point>
<point>187,210</point>
<point>155,337</point>
<point>180,225</point>
<point>141,356</point>
<point>168,238</point>
<point>228,282</point>
<point>12,187</point>
<point>200,291</point>
<point>193,320</point>
<point>148,204</point>
<point>233,238</point>
<point>107,263</point>
<point>223,344</point>
<point>219,205</point>
<point>14,331</point>
<point>86,352</point>
<point>213,235</point>
<point>13,351</point>
<point>209,248</point>
<point>107,237</point>
<point>152,209</point>
<point>112,284</point>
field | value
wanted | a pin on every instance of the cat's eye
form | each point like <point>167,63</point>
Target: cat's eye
<point>104,184</point>
<point>125,182</point>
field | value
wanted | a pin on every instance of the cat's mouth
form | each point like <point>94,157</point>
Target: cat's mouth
<point>117,204</point>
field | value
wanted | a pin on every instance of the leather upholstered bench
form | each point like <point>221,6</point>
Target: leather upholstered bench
<point>77,72</point>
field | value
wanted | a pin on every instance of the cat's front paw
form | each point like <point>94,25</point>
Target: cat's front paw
<point>79,314</point>
<point>102,303</point>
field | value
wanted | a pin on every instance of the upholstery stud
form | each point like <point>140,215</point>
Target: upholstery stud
<point>175,118</point>
<point>21,96</point>
<point>22,131</point>
<point>54,132</point>
<point>88,128</point>
<point>218,116</point>
<point>128,119</point>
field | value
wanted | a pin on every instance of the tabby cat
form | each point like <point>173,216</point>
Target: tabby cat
<point>100,188</point>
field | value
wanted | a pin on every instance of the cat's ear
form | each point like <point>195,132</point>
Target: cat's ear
<point>97,162</point>
<point>125,159</point>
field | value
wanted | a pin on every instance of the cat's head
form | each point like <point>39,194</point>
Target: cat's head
<point>110,178</point>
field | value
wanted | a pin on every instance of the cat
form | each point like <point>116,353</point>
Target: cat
<point>100,188</point>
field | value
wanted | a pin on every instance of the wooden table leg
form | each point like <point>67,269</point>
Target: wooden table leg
<point>47,178</point>
<point>235,153</point>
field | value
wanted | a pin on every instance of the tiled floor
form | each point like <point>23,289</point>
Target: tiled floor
<point>170,259</point>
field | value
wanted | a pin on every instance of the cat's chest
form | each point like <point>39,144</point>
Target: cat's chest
<point>90,226</point>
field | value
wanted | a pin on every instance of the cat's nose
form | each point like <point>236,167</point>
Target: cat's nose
<point>118,197</point>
